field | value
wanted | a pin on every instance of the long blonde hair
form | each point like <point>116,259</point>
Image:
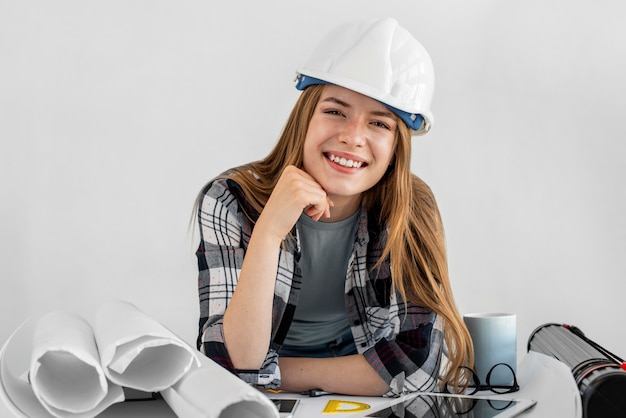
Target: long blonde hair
<point>415,242</point>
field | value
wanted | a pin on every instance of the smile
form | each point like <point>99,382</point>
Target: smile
<point>344,162</point>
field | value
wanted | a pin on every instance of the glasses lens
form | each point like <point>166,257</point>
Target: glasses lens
<point>501,379</point>
<point>467,382</point>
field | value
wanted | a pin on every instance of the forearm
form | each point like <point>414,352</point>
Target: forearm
<point>248,318</point>
<point>349,375</point>
<point>247,322</point>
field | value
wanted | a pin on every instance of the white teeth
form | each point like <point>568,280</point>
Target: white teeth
<point>345,163</point>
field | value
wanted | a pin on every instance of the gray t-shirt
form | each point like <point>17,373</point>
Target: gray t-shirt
<point>320,315</point>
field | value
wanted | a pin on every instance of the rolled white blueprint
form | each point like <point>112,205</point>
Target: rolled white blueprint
<point>138,352</point>
<point>211,391</point>
<point>65,372</point>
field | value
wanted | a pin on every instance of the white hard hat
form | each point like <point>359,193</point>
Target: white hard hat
<point>379,59</point>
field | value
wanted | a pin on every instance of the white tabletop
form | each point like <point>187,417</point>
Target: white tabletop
<point>541,378</point>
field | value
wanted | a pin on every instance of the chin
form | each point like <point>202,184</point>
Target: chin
<point>344,192</point>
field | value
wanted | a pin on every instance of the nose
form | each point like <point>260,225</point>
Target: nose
<point>353,132</point>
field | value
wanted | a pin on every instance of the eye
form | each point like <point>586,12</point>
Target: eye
<point>381,125</point>
<point>334,112</point>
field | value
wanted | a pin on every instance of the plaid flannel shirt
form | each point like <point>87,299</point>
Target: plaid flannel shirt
<point>403,342</point>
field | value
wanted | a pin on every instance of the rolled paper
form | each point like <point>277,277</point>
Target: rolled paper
<point>210,391</point>
<point>138,352</point>
<point>65,371</point>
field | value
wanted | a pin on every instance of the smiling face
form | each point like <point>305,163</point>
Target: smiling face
<point>349,144</point>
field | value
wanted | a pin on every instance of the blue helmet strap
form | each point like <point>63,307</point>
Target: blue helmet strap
<point>413,120</point>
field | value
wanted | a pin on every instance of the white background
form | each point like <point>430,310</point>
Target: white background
<point>113,115</point>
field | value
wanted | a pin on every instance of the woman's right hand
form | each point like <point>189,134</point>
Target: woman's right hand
<point>295,192</point>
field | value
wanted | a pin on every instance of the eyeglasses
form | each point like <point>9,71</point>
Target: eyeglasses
<point>505,373</point>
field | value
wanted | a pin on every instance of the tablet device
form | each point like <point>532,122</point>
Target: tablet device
<point>442,405</point>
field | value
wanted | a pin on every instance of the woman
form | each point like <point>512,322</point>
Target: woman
<point>323,266</point>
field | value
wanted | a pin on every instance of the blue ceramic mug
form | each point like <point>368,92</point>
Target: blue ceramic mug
<point>495,342</point>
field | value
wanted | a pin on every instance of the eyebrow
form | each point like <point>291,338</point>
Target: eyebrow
<point>332,99</point>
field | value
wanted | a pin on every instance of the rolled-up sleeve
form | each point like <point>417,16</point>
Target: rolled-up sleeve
<point>224,232</point>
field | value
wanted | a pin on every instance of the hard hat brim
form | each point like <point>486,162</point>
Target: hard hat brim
<point>417,122</point>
